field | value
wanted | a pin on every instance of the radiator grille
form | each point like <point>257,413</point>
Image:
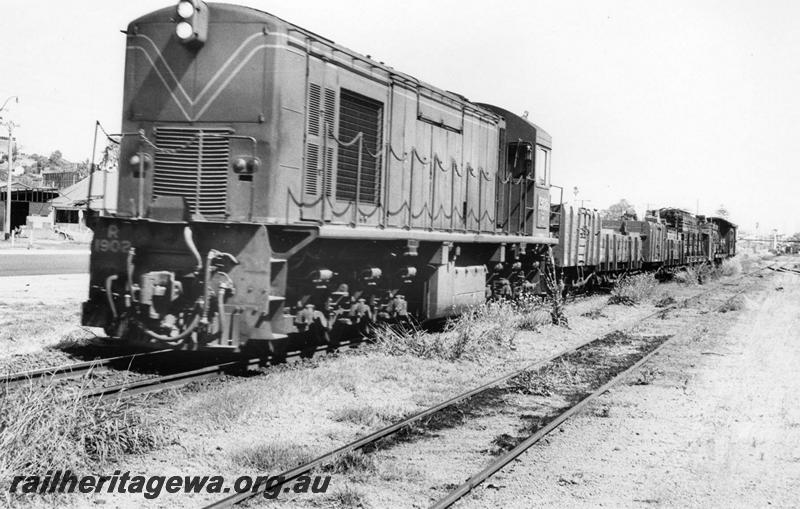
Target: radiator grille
<point>176,167</point>
<point>359,114</point>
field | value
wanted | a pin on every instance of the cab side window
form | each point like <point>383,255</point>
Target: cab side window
<point>542,165</point>
<point>520,158</point>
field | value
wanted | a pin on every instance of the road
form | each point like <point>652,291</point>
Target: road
<point>20,262</point>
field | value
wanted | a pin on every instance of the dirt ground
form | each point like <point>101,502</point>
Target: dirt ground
<point>37,312</point>
<point>716,423</point>
<point>718,426</point>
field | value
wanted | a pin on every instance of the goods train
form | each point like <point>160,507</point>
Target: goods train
<point>274,185</point>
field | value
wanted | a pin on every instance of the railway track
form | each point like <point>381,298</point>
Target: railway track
<point>422,419</point>
<point>206,372</point>
<point>126,364</point>
<point>503,460</point>
<point>81,369</point>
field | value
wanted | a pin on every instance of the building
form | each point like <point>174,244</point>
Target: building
<point>25,201</point>
<point>60,179</point>
<point>69,206</point>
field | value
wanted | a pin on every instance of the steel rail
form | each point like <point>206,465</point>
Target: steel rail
<point>296,472</point>
<point>75,370</point>
<point>160,383</point>
<point>166,381</point>
<point>491,469</point>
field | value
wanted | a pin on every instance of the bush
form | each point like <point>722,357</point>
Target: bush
<point>687,276</point>
<point>631,290</point>
<point>731,267</point>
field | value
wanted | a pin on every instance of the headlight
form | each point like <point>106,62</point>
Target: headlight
<point>184,30</point>
<point>185,9</point>
<point>191,22</point>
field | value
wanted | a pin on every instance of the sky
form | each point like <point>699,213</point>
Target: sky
<point>686,103</point>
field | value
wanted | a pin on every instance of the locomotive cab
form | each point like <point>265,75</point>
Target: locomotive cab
<point>523,204</point>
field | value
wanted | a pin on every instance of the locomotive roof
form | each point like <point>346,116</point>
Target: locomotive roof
<point>515,122</point>
<point>242,14</point>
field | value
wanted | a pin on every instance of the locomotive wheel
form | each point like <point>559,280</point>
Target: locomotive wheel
<point>315,336</point>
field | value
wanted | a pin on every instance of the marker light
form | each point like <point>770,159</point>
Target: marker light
<point>246,164</point>
<point>140,162</point>
<point>184,30</point>
<point>239,165</point>
<point>191,22</point>
<point>185,9</point>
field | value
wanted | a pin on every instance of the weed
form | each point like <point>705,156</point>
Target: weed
<point>665,301</point>
<point>687,276</point>
<point>594,314</point>
<point>352,462</point>
<point>274,456</point>
<point>476,333</point>
<point>362,415</point>
<point>646,376</point>
<point>47,427</point>
<point>731,267</point>
<point>555,292</point>
<point>504,442</point>
<point>603,411</point>
<point>706,272</point>
<point>347,497</point>
<point>734,304</point>
<point>532,383</point>
<point>632,290</point>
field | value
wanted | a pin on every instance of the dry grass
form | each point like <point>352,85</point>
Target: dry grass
<point>273,456</point>
<point>594,314</point>
<point>475,334</point>
<point>353,463</point>
<point>480,332</point>
<point>687,276</point>
<point>394,470</point>
<point>646,375</point>
<point>44,427</point>
<point>29,326</point>
<point>632,290</point>
<point>734,304</point>
<point>533,383</point>
<point>346,498</point>
<point>532,312</point>
<point>734,266</point>
<point>221,408</point>
<point>362,415</point>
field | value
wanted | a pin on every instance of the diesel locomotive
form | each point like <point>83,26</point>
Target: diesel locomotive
<point>273,184</point>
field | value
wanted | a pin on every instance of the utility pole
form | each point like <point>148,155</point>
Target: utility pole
<point>10,124</point>
<point>7,218</point>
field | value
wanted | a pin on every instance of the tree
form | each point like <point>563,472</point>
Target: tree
<point>4,150</point>
<point>620,210</point>
<point>56,160</point>
<point>110,159</point>
<point>82,168</point>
